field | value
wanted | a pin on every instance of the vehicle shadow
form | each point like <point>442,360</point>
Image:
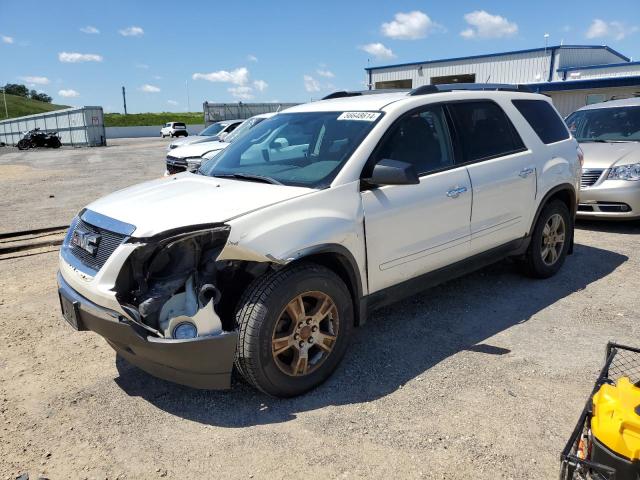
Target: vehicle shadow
<point>397,344</point>
<point>629,227</point>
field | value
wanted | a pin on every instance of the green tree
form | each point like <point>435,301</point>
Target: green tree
<point>16,89</point>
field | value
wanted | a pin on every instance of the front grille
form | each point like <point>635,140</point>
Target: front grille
<point>590,176</point>
<point>107,244</point>
<point>176,165</point>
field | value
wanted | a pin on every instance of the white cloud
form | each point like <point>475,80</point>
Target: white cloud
<point>149,88</point>
<point>243,93</point>
<point>172,102</point>
<point>484,25</point>
<point>68,93</point>
<point>7,39</point>
<point>239,76</point>
<point>410,26</point>
<point>36,80</point>
<point>75,57</point>
<point>90,30</point>
<point>378,50</point>
<point>132,31</point>
<point>260,85</point>
<point>143,66</point>
<point>311,84</point>
<point>157,77</point>
<point>616,30</point>
<point>323,72</point>
<point>252,58</point>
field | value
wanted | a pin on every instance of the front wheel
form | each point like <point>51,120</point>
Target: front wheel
<point>550,241</point>
<point>24,144</point>
<point>294,327</point>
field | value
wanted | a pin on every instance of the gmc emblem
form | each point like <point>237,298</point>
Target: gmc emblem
<point>87,241</point>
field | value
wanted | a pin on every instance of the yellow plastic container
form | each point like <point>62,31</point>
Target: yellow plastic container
<point>615,422</point>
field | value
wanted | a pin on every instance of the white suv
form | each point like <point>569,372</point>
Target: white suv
<point>174,129</point>
<point>311,220</point>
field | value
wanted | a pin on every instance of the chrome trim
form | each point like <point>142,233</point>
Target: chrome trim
<point>107,223</point>
<point>456,191</point>
<point>69,257</point>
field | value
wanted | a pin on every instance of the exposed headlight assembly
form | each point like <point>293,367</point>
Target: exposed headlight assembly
<point>193,163</point>
<point>625,172</point>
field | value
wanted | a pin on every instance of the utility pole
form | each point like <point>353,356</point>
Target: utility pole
<point>186,85</point>
<point>124,100</point>
<point>4,95</point>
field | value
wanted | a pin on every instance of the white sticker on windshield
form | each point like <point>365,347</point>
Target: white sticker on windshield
<point>360,116</point>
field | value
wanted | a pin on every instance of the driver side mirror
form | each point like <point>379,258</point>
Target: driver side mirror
<point>393,172</point>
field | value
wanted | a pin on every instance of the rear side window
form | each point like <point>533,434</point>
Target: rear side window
<point>543,119</point>
<point>484,131</point>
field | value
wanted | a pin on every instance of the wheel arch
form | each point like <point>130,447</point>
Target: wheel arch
<point>564,192</point>
<point>340,261</point>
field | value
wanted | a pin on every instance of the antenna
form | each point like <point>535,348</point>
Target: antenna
<point>488,78</point>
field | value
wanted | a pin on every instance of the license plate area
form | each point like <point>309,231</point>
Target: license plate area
<point>71,312</point>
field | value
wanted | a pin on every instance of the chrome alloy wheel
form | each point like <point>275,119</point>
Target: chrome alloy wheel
<point>305,333</point>
<point>553,238</point>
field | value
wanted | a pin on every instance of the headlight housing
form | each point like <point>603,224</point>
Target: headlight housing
<point>625,172</point>
<point>193,163</point>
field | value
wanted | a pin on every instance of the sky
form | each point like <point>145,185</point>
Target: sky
<point>172,56</point>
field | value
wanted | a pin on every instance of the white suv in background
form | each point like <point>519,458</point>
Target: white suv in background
<point>174,129</point>
<point>268,257</point>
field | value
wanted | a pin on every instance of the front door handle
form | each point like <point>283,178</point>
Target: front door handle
<point>525,172</point>
<point>456,191</point>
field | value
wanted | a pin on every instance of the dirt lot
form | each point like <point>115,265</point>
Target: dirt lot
<point>483,377</point>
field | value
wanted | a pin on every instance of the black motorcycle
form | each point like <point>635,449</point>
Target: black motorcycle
<point>37,138</point>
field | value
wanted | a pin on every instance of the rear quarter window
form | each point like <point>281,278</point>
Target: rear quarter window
<point>544,120</point>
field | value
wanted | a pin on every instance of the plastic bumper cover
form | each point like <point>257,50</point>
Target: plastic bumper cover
<point>601,201</point>
<point>202,362</point>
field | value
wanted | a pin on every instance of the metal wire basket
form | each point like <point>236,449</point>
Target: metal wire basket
<point>620,361</point>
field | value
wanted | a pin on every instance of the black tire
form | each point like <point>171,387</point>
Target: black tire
<point>535,265</point>
<point>24,144</point>
<point>55,143</point>
<point>260,310</point>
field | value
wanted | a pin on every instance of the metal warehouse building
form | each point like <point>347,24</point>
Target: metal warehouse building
<point>572,75</point>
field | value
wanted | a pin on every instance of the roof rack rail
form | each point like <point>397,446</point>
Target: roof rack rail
<point>357,93</point>
<point>450,87</point>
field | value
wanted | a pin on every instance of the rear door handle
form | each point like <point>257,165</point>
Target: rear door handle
<point>525,172</point>
<point>456,191</point>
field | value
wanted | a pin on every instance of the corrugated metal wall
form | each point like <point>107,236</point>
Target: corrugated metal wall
<point>75,126</point>
<point>528,67</point>
<point>570,101</point>
<point>576,57</point>
<point>214,112</point>
<point>609,72</point>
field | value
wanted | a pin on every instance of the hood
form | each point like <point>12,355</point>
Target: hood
<point>606,155</point>
<point>187,199</point>
<point>198,149</point>
<point>188,140</point>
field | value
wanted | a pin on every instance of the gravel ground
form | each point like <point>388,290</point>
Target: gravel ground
<point>483,377</point>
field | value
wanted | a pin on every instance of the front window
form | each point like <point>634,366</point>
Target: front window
<point>613,124</point>
<point>211,130</point>
<point>304,149</point>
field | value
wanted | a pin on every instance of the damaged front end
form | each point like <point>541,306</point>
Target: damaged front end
<point>168,285</point>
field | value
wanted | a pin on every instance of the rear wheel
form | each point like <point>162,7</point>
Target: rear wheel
<point>294,326</point>
<point>550,240</point>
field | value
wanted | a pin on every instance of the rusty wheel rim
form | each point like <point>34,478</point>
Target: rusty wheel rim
<point>305,333</point>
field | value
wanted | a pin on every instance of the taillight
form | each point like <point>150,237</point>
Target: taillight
<point>581,157</point>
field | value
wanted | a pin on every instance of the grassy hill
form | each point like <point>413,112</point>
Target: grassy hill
<point>140,119</point>
<point>20,106</point>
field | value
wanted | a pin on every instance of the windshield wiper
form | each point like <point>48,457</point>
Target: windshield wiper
<point>249,176</point>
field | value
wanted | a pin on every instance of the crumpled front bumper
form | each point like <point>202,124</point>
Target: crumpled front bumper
<point>202,362</point>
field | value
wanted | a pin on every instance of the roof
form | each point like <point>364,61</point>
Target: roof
<point>609,82</point>
<point>624,102</point>
<point>359,103</point>
<point>513,52</point>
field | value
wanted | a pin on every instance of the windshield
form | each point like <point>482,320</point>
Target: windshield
<point>211,130</point>
<point>243,127</point>
<point>613,124</point>
<point>304,149</point>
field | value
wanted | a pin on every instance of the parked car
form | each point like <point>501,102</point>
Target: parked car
<point>215,131</point>
<point>189,157</point>
<point>271,255</point>
<point>174,129</point>
<point>609,135</point>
